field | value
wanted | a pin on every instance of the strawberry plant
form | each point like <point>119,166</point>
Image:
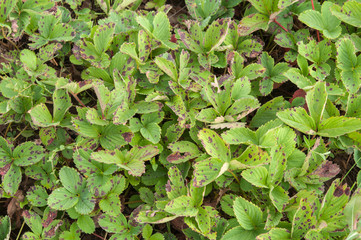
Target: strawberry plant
<point>196,119</point>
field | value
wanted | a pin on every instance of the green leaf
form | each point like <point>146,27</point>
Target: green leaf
<point>334,201</point>
<point>239,233</point>
<point>99,184</point>
<point>216,34</point>
<point>353,106</point>
<point>299,119</point>
<point>256,176</point>
<point>352,211</point>
<point>11,180</point>
<point>273,72</point>
<point>6,7</point>
<point>297,78</point>
<point>109,156</point>
<point>181,206</point>
<point>161,29</point>
<point>252,71</point>
<point>29,59</point>
<point>349,64</point>
<point>279,197</point>
<point>227,204</point>
<point>71,180</point>
<point>85,204</point>
<point>151,132</point>
<point>5,223</point>
<point>143,153</point>
<point>275,233</point>
<point>204,218</point>
<point>316,101</point>
<point>86,224</point>
<point>248,215</point>
<point>175,185</point>
<point>337,126</point>
<point>33,220</point>
<point>87,51</point>
<point>240,136</point>
<point>241,88</point>
<point>167,66</point>
<point>62,103</point>
<point>37,196</point>
<point>115,136</point>
<point>111,224</point>
<point>5,152</point>
<point>147,231</point>
<point>277,166</point>
<point>103,36</point>
<point>202,9</point>
<point>146,195</point>
<point>110,204</point>
<point>182,152</point>
<point>251,157</point>
<point>189,43</point>
<point>328,24</point>
<point>268,111</point>
<point>62,199</point>
<point>41,116</point>
<point>214,145</point>
<point>317,52</point>
<point>349,13</point>
<point>243,106</point>
<point>303,219</point>
<point>252,23</point>
<point>154,216</point>
<point>206,171</point>
<point>207,115</point>
<point>133,161</point>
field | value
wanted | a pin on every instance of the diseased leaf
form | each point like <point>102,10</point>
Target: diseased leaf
<point>71,179</point>
<point>41,116</point>
<point>252,23</point>
<point>181,206</point>
<point>214,145</point>
<point>11,180</point>
<point>62,199</point>
<point>206,171</point>
<point>28,153</point>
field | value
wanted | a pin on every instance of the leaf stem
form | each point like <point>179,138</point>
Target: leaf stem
<point>317,32</point>
<point>22,226</point>
<point>9,40</point>
<point>135,201</point>
<point>21,229</point>
<point>20,132</point>
<point>98,236</point>
<point>79,101</point>
<point>234,175</point>
<point>279,24</point>
<point>7,129</point>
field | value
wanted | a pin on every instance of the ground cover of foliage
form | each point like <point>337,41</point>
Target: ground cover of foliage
<point>195,119</point>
